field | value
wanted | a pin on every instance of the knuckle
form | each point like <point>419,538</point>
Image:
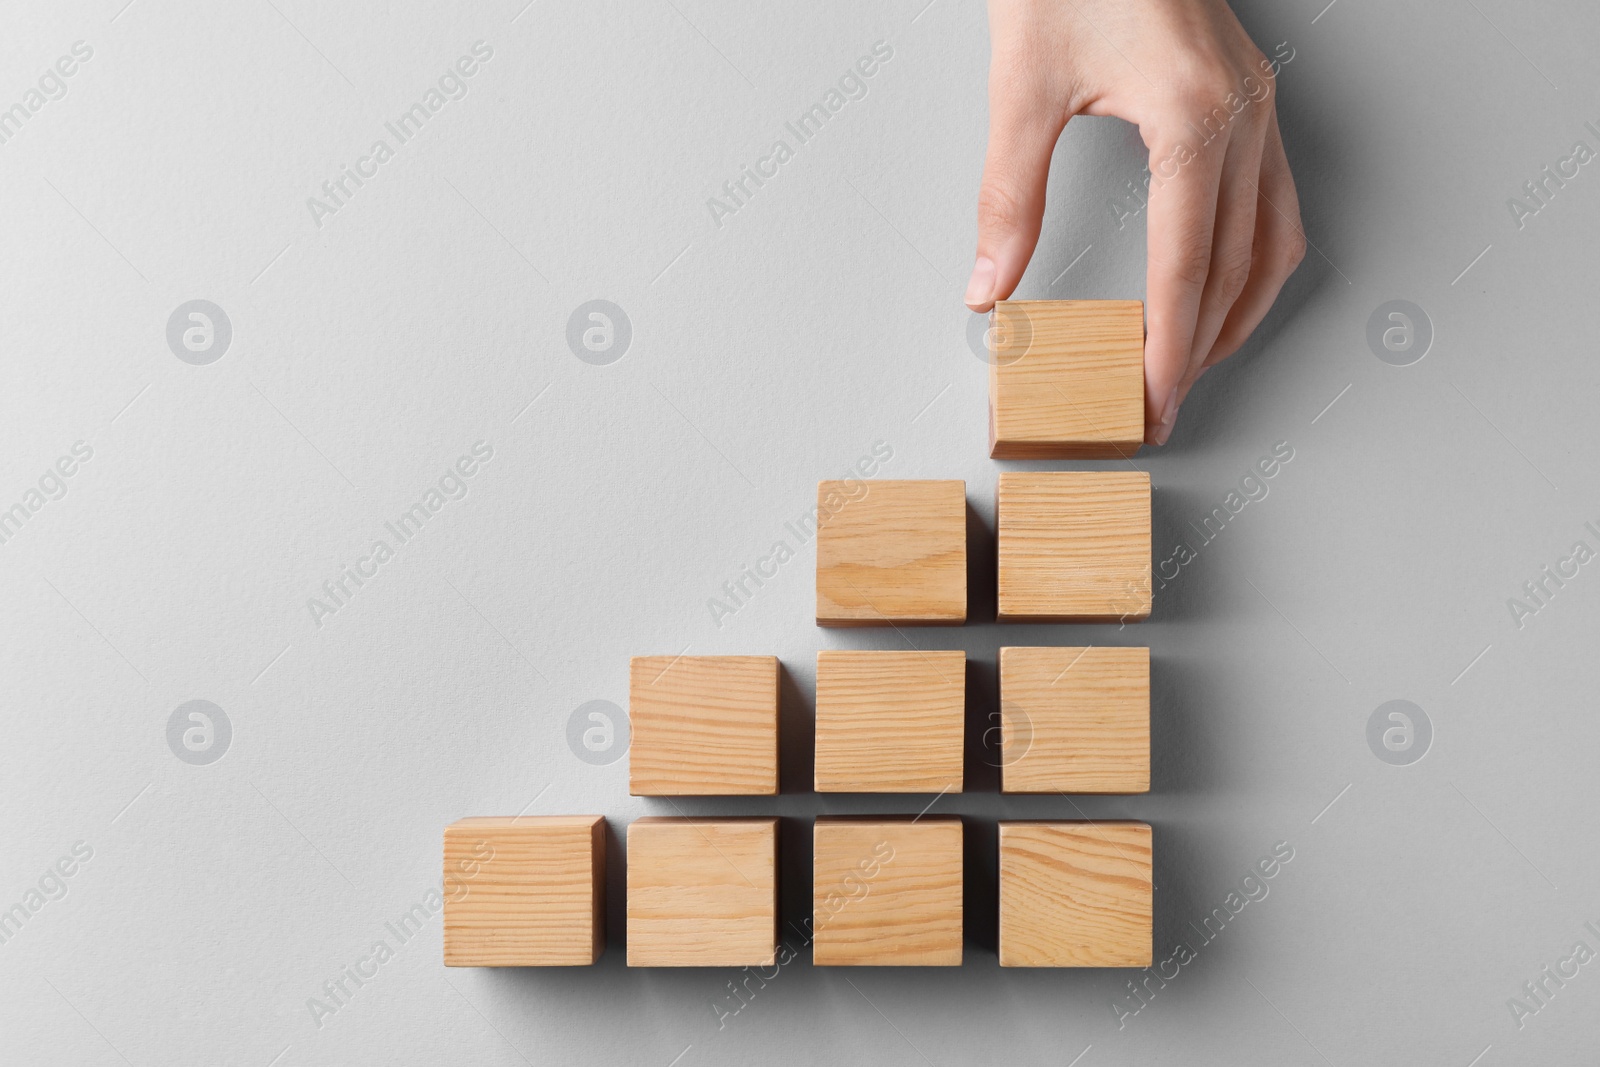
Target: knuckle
<point>999,206</point>
<point>1216,85</point>
<point>1231,276</point>
<point>1191,258</point>
<point>1192,266</point>
<point>1294,249</point>
<point>1257,68</point>
<point>1203,81</point>
<point>1199,97</point>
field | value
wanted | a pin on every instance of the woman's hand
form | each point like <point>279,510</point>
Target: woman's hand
<point>1224,220</point>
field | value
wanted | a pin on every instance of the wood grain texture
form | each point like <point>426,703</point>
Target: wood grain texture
<point>891,552</point>
<point>524,891</point>
<point>1073,546</point>
<point>1066,379</point>
<point>887,892</point>
<point>703,725</point>
<point>1075,894</point>
<point>1075,720</point>
<point>890,722</point>
<point>702,892</point>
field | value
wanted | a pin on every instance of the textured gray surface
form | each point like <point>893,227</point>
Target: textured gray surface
<point>430,311</point>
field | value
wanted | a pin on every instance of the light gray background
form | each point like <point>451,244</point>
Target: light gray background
<point>430,313</point>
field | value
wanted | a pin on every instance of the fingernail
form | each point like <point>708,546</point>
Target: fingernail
<point>980,289</point>
<point>1169,415</point>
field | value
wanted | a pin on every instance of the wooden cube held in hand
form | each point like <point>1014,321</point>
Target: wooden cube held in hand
<point>702,892</point>
<point>887,891</point>
<point>524,891</point>
<point>890,722</point>
<point>703,725</point>
<point>1073,546</point>
<point>1075,720</point>
<point>1075,894</point>
<point>1066,379</point>
<point>891,552</point>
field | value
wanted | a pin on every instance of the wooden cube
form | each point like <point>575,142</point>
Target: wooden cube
<point>1075,894</point>
<point>890,722</point>
<point>703,725</point>
<point>702,892</point>
<point>1073,546</point>
<point>1066,379</point>
<point>891,552</point>
<point>524,891</point>
<point>886,892</point>
<point>1075,720</point>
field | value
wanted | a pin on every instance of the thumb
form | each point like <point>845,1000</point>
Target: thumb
<point>1011,200</point>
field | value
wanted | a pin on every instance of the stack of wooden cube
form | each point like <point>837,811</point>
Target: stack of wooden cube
<point>1072,546</point>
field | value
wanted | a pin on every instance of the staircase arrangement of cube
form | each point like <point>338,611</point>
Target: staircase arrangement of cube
<point>1066,381</point>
